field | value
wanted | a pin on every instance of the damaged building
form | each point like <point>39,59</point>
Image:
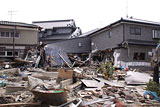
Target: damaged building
<point>129,42</point>
<point>56,30</point>
<point>70,73</point>
<point>16,37</point>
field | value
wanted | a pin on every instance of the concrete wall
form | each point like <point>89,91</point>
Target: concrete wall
<point>108,38</point>
<point>76,45</point>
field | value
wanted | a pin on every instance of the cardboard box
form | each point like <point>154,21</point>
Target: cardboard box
<point>65,73</point>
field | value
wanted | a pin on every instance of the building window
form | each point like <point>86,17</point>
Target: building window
<point>2,34</point>
<point>156,34</point>
<point>9,34</point>
<point>135,31</point>
<point>139,56</point>
<point>16,54</point>
<point>2,53</point>
<point>9,53</point>
<point>17,35</point>
<point>12,34</point>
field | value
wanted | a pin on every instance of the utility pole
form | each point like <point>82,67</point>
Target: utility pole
<point>11,14</point>
<point>126,8</point>
<point>14,41</point>
<point>156,63</point>
<point>14,35</point>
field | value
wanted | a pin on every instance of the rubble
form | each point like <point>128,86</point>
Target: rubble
<point>59,85</point>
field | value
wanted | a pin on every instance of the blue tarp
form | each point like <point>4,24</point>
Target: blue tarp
<point>152,93</point>
<point>58,56</point>
<point>54,53</point>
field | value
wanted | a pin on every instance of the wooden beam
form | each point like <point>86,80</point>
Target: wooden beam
<point>19,104</point>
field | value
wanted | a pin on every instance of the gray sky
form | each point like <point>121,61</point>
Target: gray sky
<point>88,14</point>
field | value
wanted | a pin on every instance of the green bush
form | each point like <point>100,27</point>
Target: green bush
<point>107,69</point>
<point>153,86</point>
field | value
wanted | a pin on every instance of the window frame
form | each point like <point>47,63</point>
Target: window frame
<point>141,54</point>
<point>11,55</point>
<point>2,52</point>
<point>134,31</point>
<point>5,35</point>
<point>154,32</point>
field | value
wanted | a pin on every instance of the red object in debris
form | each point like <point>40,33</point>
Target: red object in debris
<point>119,103</point>
<point>126,69</point>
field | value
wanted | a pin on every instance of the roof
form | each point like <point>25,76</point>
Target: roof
<point>127,20</point>
<point>88,33</point>
<point>140,42</point>
<point>55,23</point>
<point>134,20</point>
<point>18,24</point>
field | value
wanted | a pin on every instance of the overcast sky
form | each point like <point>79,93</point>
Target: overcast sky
<point>88,14</point>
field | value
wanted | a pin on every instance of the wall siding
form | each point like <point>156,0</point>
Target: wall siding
<point>135,48</point>
<point>26,37</point>
<point>146,32</point>
<point>71,46</point>
<point>103,41</point>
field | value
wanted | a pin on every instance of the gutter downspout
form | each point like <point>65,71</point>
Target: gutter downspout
<point>123,32</point>
<point>127,45</point>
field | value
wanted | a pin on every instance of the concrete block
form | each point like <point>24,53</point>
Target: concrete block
<point>66,82</point>
<point>117,95</point>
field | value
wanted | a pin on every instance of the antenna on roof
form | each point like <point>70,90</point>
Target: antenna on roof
<point>11,13</point>
<point>126,8</point>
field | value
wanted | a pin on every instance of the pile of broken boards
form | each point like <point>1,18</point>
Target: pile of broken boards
<point>76,87</point>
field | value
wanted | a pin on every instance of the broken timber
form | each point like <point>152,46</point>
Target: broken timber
<point>20,104</point>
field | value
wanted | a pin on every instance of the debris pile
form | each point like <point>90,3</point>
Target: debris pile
<point>55,80</point>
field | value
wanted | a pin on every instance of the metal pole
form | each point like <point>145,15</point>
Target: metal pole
<point>156,73</point>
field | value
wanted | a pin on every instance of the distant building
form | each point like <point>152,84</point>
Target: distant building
<point>56,30</point>
<point>16,37</point>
